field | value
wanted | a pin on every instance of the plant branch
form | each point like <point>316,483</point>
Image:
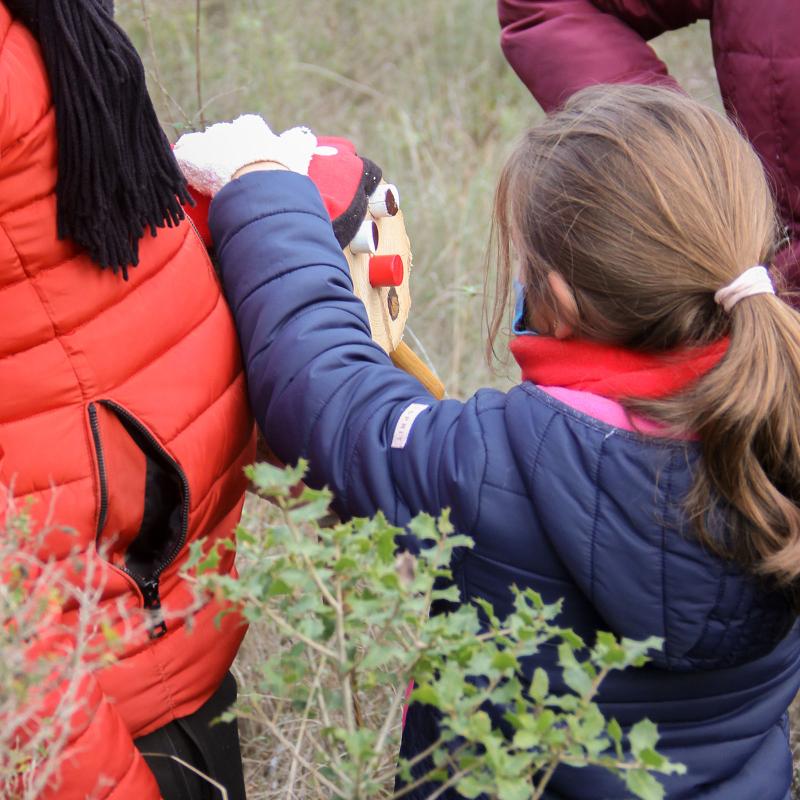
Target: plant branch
<point>278,734</point>
<point>292,631</point>
<point>302,732</point>
<point>309,564</point>
<point>155,72</point>
<point>198,65</point>
<point>556,757</point>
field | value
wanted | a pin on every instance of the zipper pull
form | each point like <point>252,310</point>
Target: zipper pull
<point>152,602</point>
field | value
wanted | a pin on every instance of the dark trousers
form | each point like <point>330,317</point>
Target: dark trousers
<point>212,749</point>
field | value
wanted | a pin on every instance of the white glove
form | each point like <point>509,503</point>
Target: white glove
<point>209,158</point>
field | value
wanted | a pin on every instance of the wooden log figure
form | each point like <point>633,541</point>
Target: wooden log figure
<point>368,224</point>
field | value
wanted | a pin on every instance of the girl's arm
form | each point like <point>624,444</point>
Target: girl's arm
<point>560,46</point>
<point>319,386</point>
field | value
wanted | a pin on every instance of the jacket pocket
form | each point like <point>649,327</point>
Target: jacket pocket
<point>144,502</point>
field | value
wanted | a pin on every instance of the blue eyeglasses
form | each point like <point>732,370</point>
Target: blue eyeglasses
<point>519,325</point>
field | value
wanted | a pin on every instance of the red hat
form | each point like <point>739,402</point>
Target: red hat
<point>344,179</point>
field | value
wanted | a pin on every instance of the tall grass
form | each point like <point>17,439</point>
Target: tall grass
<point>422,89</point>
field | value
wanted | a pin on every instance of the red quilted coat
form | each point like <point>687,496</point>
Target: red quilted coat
<point>123,413</point>
<point>560,46</point>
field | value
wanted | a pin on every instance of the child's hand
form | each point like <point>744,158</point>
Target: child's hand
<point>210,159</point>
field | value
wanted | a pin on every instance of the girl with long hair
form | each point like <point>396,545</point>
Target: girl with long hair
<point>647,467</point>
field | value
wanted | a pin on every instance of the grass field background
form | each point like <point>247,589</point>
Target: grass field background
<point>422,88</point>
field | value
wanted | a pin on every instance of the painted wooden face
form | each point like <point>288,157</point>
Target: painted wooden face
<point>379,257</point>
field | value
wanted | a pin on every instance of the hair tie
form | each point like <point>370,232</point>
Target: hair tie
<point>752,281</point>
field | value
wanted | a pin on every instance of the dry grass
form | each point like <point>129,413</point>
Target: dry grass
<point>273,731</point>
<point>423,89</point>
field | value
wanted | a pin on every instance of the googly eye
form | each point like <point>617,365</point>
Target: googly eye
<point>366,239</point>
<point>384,201</point>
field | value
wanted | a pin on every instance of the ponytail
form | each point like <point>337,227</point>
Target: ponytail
<point>747,415</point>
<point>647,203</point>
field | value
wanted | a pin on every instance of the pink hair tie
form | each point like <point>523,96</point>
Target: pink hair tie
<point>752,281</point>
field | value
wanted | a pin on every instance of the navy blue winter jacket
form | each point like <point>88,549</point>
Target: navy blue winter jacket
<point>555,500</point>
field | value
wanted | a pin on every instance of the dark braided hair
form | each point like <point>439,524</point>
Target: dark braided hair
<point>117,176</point>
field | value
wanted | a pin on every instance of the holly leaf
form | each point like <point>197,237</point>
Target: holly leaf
<point>644,785</point>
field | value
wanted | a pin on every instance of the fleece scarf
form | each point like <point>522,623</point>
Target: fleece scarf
<point>610,371</point>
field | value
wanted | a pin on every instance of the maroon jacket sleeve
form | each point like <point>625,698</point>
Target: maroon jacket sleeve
<point>559,46</point>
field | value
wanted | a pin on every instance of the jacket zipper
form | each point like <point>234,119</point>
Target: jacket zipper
<point>194,228</point>
<point>156,627</point>
<point>101,468</point>
<point>148,586</point>
<point>209,259</point>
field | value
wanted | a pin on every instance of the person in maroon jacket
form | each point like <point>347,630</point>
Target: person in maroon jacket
<point>559,46</point>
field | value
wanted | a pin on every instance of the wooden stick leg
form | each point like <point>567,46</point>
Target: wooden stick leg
<point>405,358</point>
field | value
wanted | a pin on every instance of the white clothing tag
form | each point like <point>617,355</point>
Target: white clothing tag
<point>403,427</point>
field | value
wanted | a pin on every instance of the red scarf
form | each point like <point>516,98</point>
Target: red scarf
<point>610,371</point>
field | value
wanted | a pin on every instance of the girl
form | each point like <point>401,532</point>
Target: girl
<point>647,468</point>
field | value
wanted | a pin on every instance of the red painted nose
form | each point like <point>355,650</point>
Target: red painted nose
<point>385,271</point>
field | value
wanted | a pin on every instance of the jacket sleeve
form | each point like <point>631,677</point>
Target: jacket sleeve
<point>319,386</point>
<point>560,46</point>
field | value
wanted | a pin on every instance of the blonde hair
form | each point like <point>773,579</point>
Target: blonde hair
<point>646,203</point>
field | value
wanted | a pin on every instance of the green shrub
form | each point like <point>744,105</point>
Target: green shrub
<point>348,619</point>
<point>46,661</point>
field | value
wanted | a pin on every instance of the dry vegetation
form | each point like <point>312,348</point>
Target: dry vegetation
<point>48,655</point>
<point>423,90</point>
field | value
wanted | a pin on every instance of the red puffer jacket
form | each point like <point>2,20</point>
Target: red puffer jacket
<point>560,46</point>
<point>123,413</point>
